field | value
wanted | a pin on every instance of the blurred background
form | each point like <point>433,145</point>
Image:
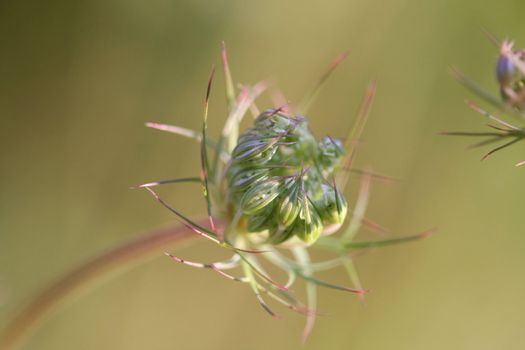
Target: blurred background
<point>78,80</point>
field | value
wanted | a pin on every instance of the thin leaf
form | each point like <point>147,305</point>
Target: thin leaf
<point>349,265</point>
<point>291,306</point>
<point>202,231</point>
<point>212,266</point>
<point>468,133</point>
<point>374,175</point>
<point>386,242</point>
<point>254,286</point>
<point>247,96</point>
<point>292,276</point>
<point>481,111</point>
<point>476,88</point>
<point>303,259</point>
<point>204,154</point>
<point>374,226</point>
<point>359,210</point>
<point>327,264</point>
<point>330,285</point>
<point>485,142</point>
<point>192,134</point>
<point>311,96</point>
<point>230,90</point>
<point>165,182</point>
<point>261,274</point>
<point>491,37</point>
<point>501,147</point>
<point>356,131</point>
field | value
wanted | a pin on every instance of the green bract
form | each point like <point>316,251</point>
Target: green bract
<point>278,176</point>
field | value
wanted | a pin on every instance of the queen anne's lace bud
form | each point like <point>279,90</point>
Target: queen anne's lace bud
<point>510,78</point>
<point>278,179</point>
<point>505,70</point>
<point>276,184</point>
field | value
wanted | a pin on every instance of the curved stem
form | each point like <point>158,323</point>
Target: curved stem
<point>107,264</point>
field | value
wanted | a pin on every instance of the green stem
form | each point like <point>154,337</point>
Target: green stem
<point>108,265</point>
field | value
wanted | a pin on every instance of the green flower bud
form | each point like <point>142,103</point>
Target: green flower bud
<point>332,206</point>
<point>290,203</point>
<point>308,226</point>
<point>245,178</point>
<point>262,158</point>
<point>276,121</point>
<point>265,187</point>
<point>331,153</point>
<point>259,196</point>
<point>251,147</point>
<point>289,208</point>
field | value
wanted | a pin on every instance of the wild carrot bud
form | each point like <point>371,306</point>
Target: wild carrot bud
<point>510,74</point>
<point>272,184</point>
<point>277,179</point>
<point>505,70</point>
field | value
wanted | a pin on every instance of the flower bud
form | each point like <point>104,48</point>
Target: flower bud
<point>264,188</point>
<point>276,121</point>
<point>290,203</point>
<point>331,153</point>
<point>263,157</point>
<point>505,70</point>
<point>245,178</point>
<point>332,206</point>
<point>259,196</point>
<point>308,226</point>
<point>251,147</point>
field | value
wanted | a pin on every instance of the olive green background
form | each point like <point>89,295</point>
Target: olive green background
<point>78,80</point>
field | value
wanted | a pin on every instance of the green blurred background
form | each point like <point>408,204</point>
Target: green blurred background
<point>78,80</point>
